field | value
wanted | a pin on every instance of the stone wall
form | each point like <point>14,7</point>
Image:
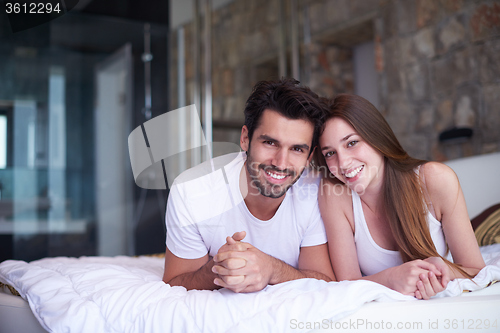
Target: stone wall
<point>439,64</point>
<point>437,61</point>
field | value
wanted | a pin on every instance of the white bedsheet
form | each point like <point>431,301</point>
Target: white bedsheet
<point>124,294</point>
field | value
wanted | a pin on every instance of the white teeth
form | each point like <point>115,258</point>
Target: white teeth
<point>275,176</point>
<point>353,172</point>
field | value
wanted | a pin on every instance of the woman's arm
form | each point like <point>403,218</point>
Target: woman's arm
<point>335,205</point>
<point>336,211</point>
<point>445,193</point>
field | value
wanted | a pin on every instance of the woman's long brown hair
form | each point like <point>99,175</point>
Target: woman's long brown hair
<point>404,204</point>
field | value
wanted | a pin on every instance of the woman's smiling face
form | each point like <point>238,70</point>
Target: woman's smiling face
<point>350,158</point>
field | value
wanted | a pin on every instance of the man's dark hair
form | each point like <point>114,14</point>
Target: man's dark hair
<point>287,98</point>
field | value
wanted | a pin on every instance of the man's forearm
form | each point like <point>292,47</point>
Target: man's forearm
<point>283,272</point>
<point>201,279</point>
<point>316,275</point>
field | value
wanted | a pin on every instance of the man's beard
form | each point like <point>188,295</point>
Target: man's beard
<point>265,188</point>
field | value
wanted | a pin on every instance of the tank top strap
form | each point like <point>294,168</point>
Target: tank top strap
<point>359,216</point>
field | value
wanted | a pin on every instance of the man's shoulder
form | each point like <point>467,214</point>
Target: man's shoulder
<point>213,172</point>
<point>309,178</point>
<point>306,187</point>
<point>204,191</point>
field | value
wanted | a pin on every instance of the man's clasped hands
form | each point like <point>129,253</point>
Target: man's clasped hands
<point>242,267</point>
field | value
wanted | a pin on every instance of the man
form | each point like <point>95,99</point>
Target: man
<point>259,197</point>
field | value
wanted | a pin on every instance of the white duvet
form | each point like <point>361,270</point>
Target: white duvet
<point>125,294</point>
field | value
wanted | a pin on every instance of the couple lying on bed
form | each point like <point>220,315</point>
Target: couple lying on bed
<point>266,215</point>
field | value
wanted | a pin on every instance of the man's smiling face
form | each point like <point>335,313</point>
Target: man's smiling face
<point>278,153</point>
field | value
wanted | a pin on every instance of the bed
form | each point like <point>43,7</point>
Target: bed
<point>126,294</point>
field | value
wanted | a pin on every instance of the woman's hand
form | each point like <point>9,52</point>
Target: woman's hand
<point>430,284</point>
<point>404,278</point>
<point>446,273</point>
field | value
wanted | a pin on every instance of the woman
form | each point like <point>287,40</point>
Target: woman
<point>390,218</point>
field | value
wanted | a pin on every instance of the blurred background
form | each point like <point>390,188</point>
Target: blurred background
<point>72,90</point>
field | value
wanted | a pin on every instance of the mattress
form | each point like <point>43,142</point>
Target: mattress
<point>16,315</point>
<point>126,294</point>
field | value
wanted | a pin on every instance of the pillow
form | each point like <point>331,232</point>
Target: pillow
<point>10,288</point>
<point>487,226</point>
<point>154,255</point>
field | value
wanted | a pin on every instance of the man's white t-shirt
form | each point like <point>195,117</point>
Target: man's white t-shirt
<point>206,206</point>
